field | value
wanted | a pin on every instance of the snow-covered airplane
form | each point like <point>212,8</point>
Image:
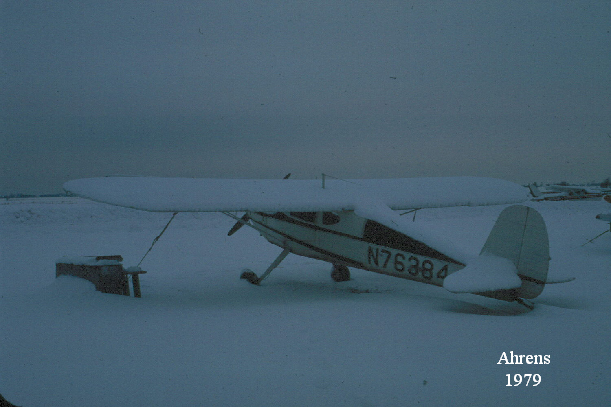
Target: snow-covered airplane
<point>352,223</point>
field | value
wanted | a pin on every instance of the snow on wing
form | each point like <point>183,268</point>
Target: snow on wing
<point>194,194</point>
<point>430,192</point>
<point>199,194</point>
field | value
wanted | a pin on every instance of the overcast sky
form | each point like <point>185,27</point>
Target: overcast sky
<point>513,89</point>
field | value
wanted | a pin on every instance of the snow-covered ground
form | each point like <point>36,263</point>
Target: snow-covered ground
<point>201,336</point>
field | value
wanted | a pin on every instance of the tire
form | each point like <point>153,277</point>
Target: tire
<point>250,277</point>
<point>340,273</point>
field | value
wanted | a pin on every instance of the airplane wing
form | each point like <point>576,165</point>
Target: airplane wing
<point>202,194</point>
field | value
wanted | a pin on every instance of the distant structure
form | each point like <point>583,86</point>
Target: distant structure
<point>105,272</point>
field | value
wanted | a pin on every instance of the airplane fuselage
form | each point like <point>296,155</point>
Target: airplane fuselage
<point>344,238</point>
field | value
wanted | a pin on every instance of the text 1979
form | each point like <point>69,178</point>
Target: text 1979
<point>526,379</point>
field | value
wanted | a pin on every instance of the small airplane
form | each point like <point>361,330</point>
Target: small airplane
<point>556,192</point>
<point>605,217</point>
<point>353,223</point>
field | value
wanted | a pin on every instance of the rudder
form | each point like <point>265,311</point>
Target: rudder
<point>520,235</point>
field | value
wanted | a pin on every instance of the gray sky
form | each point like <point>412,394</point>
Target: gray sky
<point>513,89</point>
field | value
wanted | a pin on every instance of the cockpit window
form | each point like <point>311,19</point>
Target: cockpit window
<point>329,218</point>
<point>305,216</point>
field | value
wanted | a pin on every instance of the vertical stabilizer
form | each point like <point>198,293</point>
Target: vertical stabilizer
<point>520,235</point>
<point>534,190</point>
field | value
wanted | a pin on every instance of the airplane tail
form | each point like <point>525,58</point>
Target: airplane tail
<point>534,190</point>
<point>520,235</point>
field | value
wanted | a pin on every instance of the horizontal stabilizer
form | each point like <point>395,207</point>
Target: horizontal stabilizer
<point>486,273</point>
<point>565,280</point>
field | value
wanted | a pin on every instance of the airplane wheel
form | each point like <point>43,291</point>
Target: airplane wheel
<point>340,273</point>
<point>250,276</point>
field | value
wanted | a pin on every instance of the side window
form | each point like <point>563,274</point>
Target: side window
<point>329,218</point>
<point>305,216</point>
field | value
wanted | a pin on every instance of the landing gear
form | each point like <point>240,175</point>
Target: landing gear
<point>340,273</point>
<point>529,305</point>
<point>250,276</point>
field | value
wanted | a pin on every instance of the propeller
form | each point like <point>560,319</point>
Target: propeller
<point>245,218</point>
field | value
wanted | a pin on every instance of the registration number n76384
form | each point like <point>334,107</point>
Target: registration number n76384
<point>399,262</point>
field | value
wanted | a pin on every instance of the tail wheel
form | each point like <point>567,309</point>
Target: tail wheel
<point>340,273</point>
